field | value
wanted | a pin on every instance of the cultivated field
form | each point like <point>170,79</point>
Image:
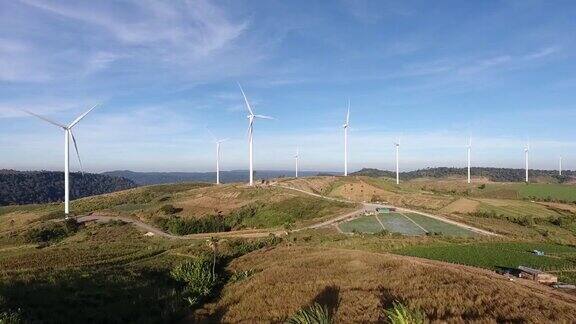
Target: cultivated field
<point>405,224</point>
<point>558,259</point>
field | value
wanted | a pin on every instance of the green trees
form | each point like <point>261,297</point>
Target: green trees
<point>46,186</point>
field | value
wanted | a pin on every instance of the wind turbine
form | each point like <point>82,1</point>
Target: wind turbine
<point>251,117</point>
<point>296,159</point>
<point>397,144</point>
<point>67,135</point>
<point>560,166</point>
<point>526,151</point>
<point>469,151</point>
<point>218,142</point>
<point>346,125</point>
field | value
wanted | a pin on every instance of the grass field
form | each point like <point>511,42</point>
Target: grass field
<point>406,224</point>
<point>358,286</point>
<point>548,191</point>
<point>495,255</point>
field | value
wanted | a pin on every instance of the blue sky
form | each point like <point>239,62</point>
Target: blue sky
<point>432,73</point>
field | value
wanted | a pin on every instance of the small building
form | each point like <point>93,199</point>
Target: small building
<point>383,210</point>
<point>537,275</point>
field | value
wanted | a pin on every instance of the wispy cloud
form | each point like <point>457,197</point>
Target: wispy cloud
<point>178,33</point>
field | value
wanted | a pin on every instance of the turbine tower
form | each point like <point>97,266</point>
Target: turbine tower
<point>346,125</point>
<point>67,135</point>
<point>560,166</point>
<point>526,151</point>
<point>218,142</point>
<point>469,151</point>
<point>296,158</point>
<point>397,144</point>
<point>251,117</point>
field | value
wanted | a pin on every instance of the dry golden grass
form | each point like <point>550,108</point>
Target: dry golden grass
<point>357,286</point>
<point>462,206</point>
<point>357,189</point>
<point>319,185</point>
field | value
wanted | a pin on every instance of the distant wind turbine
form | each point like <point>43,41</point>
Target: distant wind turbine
<point>346,126</point>
<point>251,117</point>
<point>67,135</point>
<point>560,166</point>
<point>469,153</point>
<point>218,142</point>
<point>397,144</point>
<point>526,152</point>
<point>296,159</point>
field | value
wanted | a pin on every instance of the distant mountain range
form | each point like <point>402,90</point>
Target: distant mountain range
<point>493,174</point>
<point>35,187</point>
<point>150,178</point>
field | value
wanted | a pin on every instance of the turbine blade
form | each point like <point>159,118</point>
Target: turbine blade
<point>246,100</point>
<point>264,117</point>
<point>77,120</point>
<point>211,134</point>
<point>348,113</point>
<point>45,119</point>
<point>77,152</point>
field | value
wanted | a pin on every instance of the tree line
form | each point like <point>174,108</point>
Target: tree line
<point>35,187</point>
<point>493,174</point>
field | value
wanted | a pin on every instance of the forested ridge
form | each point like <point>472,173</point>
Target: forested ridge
<point>34,187</point>
<point>494,174</point>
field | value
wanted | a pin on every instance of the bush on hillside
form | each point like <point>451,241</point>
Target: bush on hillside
<point>400,314</point>
<point>315,314</point>
<point>52,232</point>
<point>170,210</point>
<point>207,224</point>
<point>197,277</point>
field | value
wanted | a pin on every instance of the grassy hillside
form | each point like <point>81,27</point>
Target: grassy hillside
<point>108,273</point>
<point>192,208</point>
<point>358,286</point>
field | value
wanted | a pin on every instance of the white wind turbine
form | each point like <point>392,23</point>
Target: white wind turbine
<point>526,152</point>
<point>296,159</point>
<point>67,135</point>
<point>218,142</point>
<point>397,144</point>
<point>560,166</point>
<point>251,118</point>
<point>469,153</point>
<point>346,126</point>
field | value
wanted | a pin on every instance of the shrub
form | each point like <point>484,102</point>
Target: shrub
<point>315,314</point>
<point>8,316</point>
<point>400,314</point>
<point>207,224</point>
<point>52,231</point>
<point>170,210</point>
<point>198,278</point>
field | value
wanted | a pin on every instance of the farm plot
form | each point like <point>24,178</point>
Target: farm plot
<point>558,258</point>
<point>398,223</point>
<point>405,224</point>
<point>436,226</point>
<point>364,224</point>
